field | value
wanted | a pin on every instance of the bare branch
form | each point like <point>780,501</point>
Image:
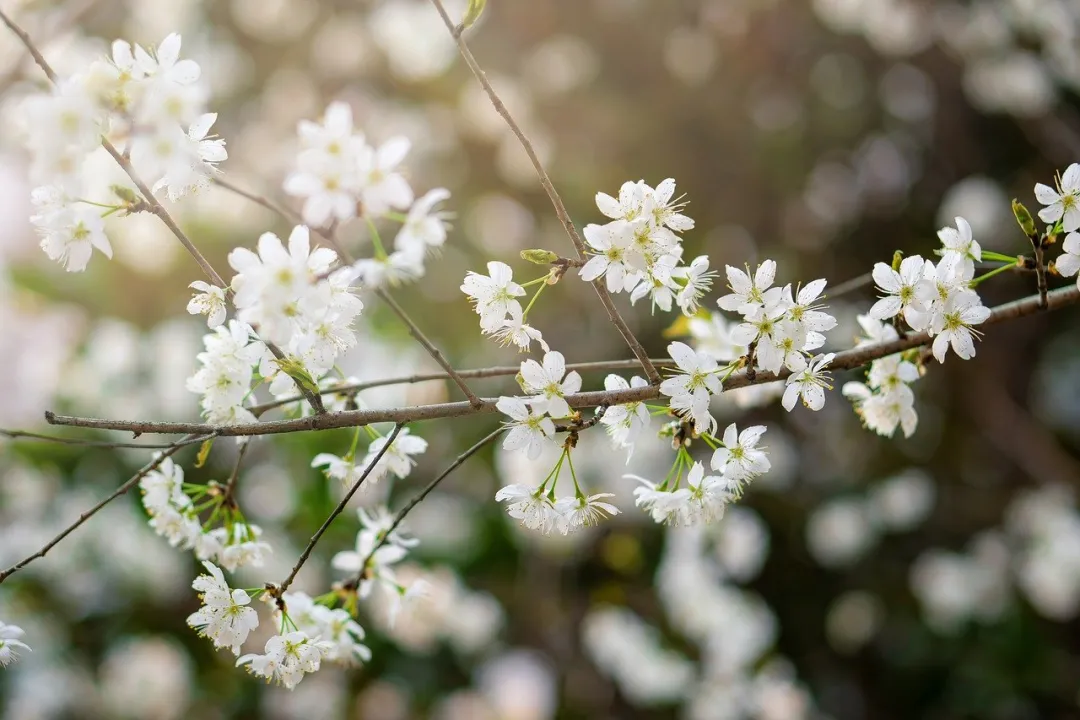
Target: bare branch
<point>146,469</point>
<point>432,350</point>
<point>61,440</point>
<point>846,360</point>
<point>279,590</point>
<point>417,499</point>
<point>553,195</point>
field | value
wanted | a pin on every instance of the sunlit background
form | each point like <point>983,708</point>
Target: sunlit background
<point>930,577</point>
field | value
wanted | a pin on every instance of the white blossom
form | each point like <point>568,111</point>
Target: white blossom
<point>1064,203</point>
<point>692,389</point>
<point>10,645</point>
<point>529,429</point>
<point>547,386</point>
<point>809,384</point>
<point>738,456</point>
<point>534,507</point>
<point>209,301</point>
<point>224,617</point>
<point>287,658</point>
<point>492,294</point>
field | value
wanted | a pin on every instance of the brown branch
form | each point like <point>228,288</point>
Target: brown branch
<point>280,589</point>
<point>553,195</point>
<point>146,469</point>
<point>856,283</point>
<point>846,360</point>
<point>230,484</point>
<point>432,350</point>
<point>154,206</point>
<point>59,439</point>
<point>489,372</point>
<point>416,500</point>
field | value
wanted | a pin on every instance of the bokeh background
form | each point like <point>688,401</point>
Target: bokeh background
<point>930,577</point>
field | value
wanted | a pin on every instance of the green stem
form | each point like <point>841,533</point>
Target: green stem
<point>399,217</point>
<point>536,281</point>
<point>994,256</point>
<point>532,302</point>
<point>992,273</point>
<point>573,475</point>
<point>114,208</point>
<point>380,251</point>
<point>554,473</point>
<point>355,442</point>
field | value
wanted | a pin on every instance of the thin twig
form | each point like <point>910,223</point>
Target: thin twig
<point>416,500</point>
<point>59,439</point>
<point>432,350</point>
<point>154,206</point>
<point>230,485</point>
<point>279,590</point>
<point>553,195</point>
<point>489,372</point>
<point>846,360</point>
<point>146,469</point>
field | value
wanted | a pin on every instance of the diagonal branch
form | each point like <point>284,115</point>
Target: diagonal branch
<point>61,440</point>
<point>146,469</point>
<point>416,500</point>
<point>553,195</point>
<point>846,360</point>
<point>280,589</point>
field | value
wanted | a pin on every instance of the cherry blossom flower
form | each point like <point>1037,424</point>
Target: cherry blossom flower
<point>1068,263</point>
<point>287,658</point>
<point>530,429</point>
<point>625,422</point>
<point>209,301</point>
<point>492,294</point>
<point>225,617</point>
<point>1064,203</point>
<point>547,386</point>
<point>739,457</point>
<point>381,188</point>
<point>952,325</point>
<point>809,384</point>
<point>532,506</point>
<point>578,511</point>
<point>692,389</point>
<point>749,295</point>
<point>961,247</point>
<point>906,290</point>
<point>612,243</point>
<point>10,645</point>
<point>424,227</point>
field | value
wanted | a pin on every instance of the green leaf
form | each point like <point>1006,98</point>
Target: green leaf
<point>204,452</point>
<point>296,370</point>
<point>472,13</point>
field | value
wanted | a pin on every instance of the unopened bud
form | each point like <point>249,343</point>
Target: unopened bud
<point>897,257</point>
<point>125,193</point>
<point>539,257</point>
<point>472,13</point>
<point>1023,218</point>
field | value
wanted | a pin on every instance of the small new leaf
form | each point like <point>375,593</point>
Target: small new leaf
<point>1023,218</point>
<point>296,370</point>
<point>204,452</point>
<point>539,257</point>
<point>472,13</point>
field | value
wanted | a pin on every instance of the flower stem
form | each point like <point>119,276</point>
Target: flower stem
<point>992,273</point>
<point>992,256</point>
<point>380,251</point>
<point>528,307</point>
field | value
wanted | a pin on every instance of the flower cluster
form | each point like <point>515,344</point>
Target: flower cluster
<point>225,616</point>
<point>937,299</point>
<point>340,176</point>
<point>493,298</point>
<point>737,460</point>
<point>174,516</point>
<point>885,401</point>
<point>638,250</point>
<point>331,625</point>
<point>782,325</point>
<point>151,104</point>
<point>398,460</point>
<point>287,658</point>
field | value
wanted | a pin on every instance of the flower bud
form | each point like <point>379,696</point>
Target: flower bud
<point>472,12</point>
<point>539,257</point>
<point>1023,218</point>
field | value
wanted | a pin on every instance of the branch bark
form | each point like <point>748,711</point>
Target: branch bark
<point>846,360</point>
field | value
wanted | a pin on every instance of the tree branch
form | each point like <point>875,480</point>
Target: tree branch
<point>416,500</point>
<point>280,589</point>
<point>61,440</point>
<point>146,469</point>
<point>846,360</point>
<point>432,350</point>
<point>553,195</point>
<point>489,372</point>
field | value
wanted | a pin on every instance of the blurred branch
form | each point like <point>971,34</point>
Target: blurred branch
<point>846,360</point>
<point>553,195</point>
<point>23,435</point>
<point>154,206</point>
<point>279,590</point>
<point>146,469</point>
<point>416,500</point>
<point>851,285</point>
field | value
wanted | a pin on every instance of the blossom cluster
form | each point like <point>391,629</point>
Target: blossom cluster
<point>151,105</point>
<point>639,252</point>
<point>494,298</point>
<point>174,516</point>
<point>885,401</point>
<point>339,176</point>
